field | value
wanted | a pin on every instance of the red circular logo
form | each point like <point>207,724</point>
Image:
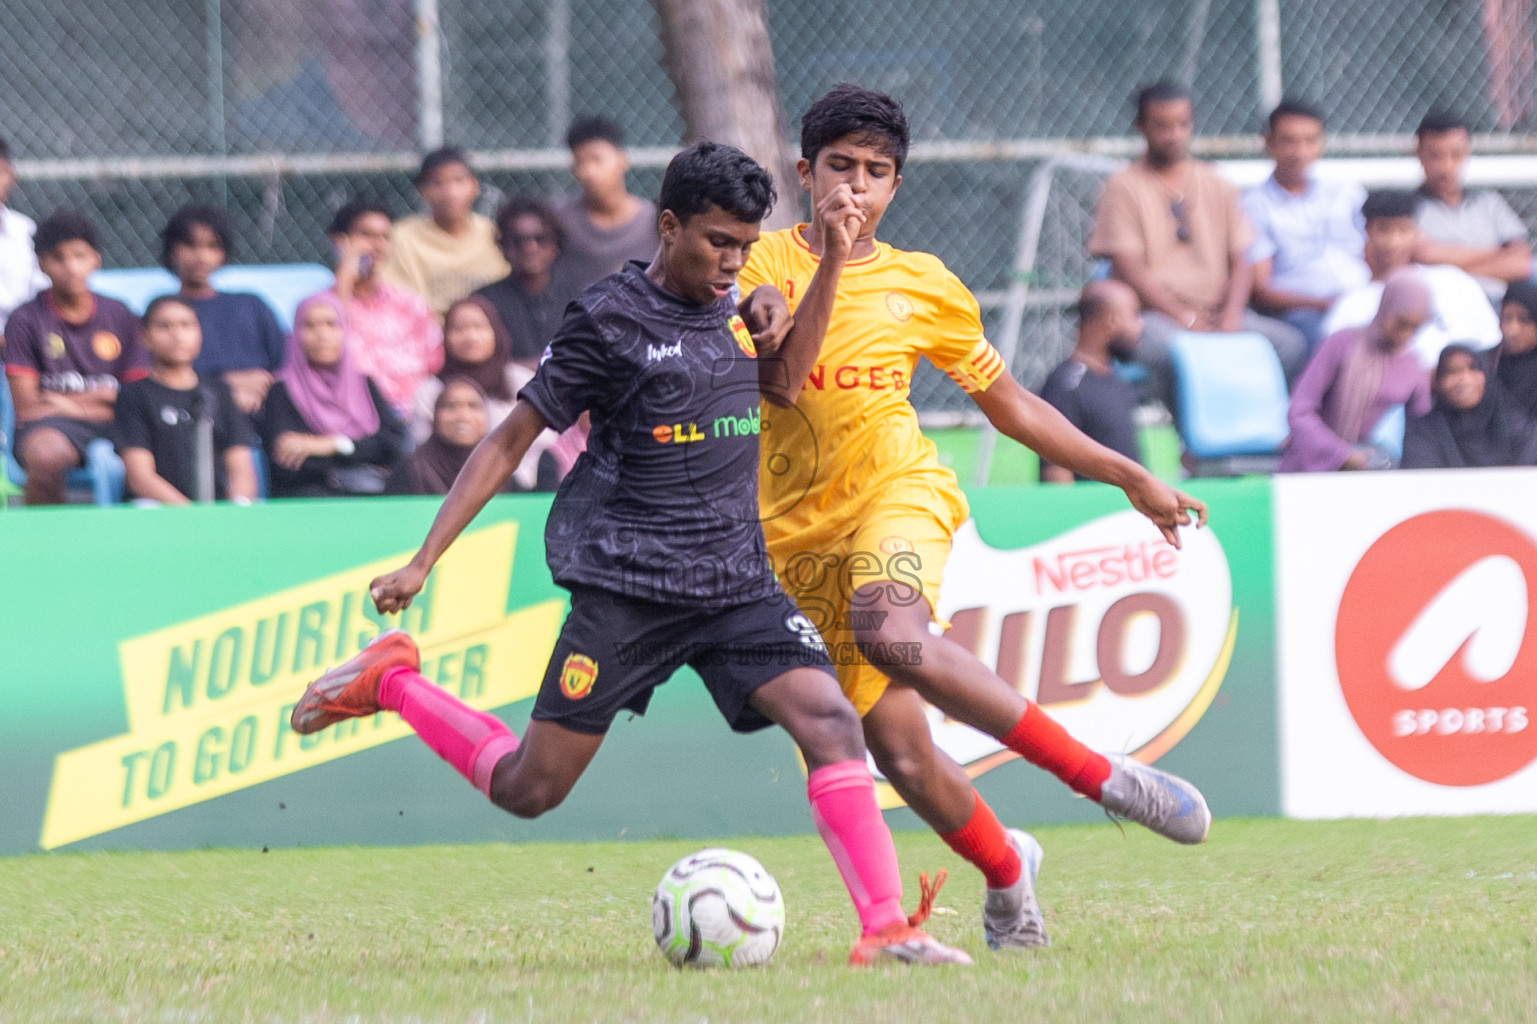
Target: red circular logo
<point>1436,646</point>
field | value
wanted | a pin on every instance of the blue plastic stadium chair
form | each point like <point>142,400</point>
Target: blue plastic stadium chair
<point>134,287</point>
<point>1388,434</point>
<point>102,475</point>
<point>283,285</point>
<point>1232,402</point>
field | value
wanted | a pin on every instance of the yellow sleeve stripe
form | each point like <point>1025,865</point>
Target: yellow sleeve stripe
<point>978,369</point>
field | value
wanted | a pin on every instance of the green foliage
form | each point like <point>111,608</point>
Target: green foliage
<point>1420,919</point>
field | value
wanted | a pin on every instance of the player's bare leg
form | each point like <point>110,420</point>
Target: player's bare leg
<point>939,791</point>
<point>808,705</point>
<point>949,677</point>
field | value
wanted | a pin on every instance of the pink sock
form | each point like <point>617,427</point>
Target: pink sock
<point>844,810</point>
<point>469,740</point>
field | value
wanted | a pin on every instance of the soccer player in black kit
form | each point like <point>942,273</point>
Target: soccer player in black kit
<point>656,534</point>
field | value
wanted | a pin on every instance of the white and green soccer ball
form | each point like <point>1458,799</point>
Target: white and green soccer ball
<point>717,908</point>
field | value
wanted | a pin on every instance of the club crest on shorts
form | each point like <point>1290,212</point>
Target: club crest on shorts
<point>891,545</point>
<point>577,676</point>
<point>743,336</point>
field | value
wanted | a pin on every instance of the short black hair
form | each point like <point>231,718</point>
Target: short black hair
<point>159,301</point>
<point>64,226</point>
<point>1162,91</point>
<point>713,174</point>
<point>343,220</point>
<point>442,157</point>
<point>1383,203</point>
<point>1293,108</point>
<point>590,127</point>
<point>1438,121</point>
<point>178,230</point>
<point>850,111</point>
<point>528,206</point>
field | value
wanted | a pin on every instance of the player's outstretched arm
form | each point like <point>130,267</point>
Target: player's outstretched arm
<point>838,220</point>
<point>1038,426</point>
<point>487,469</point>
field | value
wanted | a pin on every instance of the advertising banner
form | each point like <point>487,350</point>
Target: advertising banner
<point>149,661</point>
<point>1408,664</point>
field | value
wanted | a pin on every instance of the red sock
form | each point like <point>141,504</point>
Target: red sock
<point>469,740</point>
<point>1045,744</point>
<point>983,842</point>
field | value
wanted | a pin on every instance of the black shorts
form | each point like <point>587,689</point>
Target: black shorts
<point>79,433</point>
<point>614,650</point>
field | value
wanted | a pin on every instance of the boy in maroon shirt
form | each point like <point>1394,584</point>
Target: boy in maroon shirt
<point>66,353</point>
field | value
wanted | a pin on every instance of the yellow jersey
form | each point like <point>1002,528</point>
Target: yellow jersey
<point>851,443</point>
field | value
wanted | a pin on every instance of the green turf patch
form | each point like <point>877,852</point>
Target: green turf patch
<point>1414,920</point>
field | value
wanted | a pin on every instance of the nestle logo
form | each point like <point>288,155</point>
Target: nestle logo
<point>656,352</point>
<point>1105,567</point>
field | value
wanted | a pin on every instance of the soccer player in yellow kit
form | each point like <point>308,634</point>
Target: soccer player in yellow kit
<point>859,513</point>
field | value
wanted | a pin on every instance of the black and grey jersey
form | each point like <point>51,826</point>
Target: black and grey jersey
<point>663,505</point>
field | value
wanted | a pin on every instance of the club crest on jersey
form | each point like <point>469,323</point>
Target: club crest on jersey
<point>577,676</point>
<point>899,306</point>
<point>106,346</point>
<point>743,336</point>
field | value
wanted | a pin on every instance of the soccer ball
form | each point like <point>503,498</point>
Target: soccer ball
<point>717,908</point>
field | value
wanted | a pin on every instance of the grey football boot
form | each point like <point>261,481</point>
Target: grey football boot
<point>1165,803</point>
<point>1011,917</point>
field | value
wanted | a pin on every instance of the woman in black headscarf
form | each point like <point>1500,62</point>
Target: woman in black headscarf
<point>1515,360</point>
<point>1472,423</point>
<point>459,422</point>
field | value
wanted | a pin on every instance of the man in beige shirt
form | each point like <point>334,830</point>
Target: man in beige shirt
<point>451,250</point>
<point>1175,232</point>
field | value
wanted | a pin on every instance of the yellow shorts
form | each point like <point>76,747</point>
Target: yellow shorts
<point>903,547</point>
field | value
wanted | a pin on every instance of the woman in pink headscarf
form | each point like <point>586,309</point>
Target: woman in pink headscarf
<point>328,430</point>
<point>1355,376</point>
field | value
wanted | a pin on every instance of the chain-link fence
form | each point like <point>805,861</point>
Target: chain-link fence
<point>282,108</point>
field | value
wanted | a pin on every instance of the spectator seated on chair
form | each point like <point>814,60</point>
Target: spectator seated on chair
<point>1472,421</point>
<point>451,250</point>
<point>1175,231</point>
<point>158,418</point>
<point>1357,375</point>
<point>603,225</point>
<point>399,342</point>
<point>1516,358</point>
<point>1308,232</point>
<point>242,341</point>
<point>1085,388</point>
<point>532,299</point>
<point>20,278</point>
<point>328,429</point>
<point>475,347</point>
<point>459,422</point>
<point>1476,232</point>
<point>1458,307</point>
<point>67,352</point>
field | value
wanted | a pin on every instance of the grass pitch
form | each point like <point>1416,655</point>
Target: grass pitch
<point>1416,920</point>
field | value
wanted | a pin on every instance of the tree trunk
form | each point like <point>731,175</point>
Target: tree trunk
<point>718,56</point>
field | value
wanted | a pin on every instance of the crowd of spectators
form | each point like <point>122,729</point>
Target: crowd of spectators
<point>1372,302</point>
<point>388,379</point>
<point>1417,304</point>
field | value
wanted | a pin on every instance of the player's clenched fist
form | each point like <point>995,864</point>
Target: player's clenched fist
<point>841,218</point>
<point>393,591</point>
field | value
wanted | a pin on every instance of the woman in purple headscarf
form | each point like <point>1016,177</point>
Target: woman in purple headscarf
<point>1355,376</point>
<point>328,430</point>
